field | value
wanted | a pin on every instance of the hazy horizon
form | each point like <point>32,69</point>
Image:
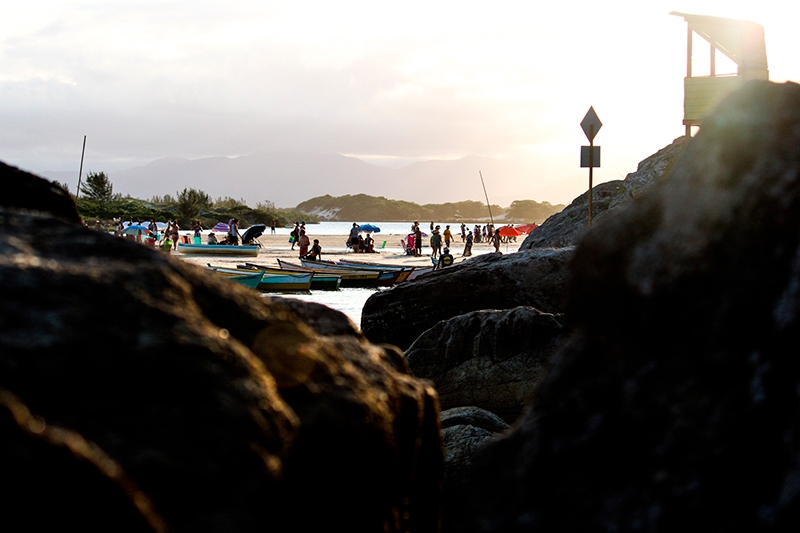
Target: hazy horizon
<point>389,85</point>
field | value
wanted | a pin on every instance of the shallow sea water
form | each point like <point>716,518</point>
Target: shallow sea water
<point>348,301</point>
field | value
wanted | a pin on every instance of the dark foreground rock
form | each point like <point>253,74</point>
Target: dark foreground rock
<point>464,431</point>
<point>55,480</point>
<point>322,319</point>
<point>677,401</point>
<point>489,359</point>
<point>566,227</point>
<point>227,411</point>
<point>491,281</point>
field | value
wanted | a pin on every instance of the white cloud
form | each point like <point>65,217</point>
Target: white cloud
<point>393,82</point>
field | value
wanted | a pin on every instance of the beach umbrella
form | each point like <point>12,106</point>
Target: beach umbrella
<point>371,228</point>
<point>134,229</point>
<point>527,228</point>
<point>253,232</point>
<point>509,231</point>
<point>221,228</point>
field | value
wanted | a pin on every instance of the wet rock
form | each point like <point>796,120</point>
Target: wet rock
<point>321,318</point>
<point>489,359</point>
<point>492,281</point>
<point>24,191</point>
<point>676,400</point>
<point>464,431</point>
<point>226,410</point>
<point>55,480</point>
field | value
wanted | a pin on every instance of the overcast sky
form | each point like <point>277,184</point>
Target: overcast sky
<point>387,82</point>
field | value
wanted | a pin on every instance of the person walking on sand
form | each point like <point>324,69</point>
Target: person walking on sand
<point>417,241</point>
<point>436,243</point>
<point>468,246</point>
<point>272,227</point>
<point>294,234</point>
<point>496,241</point>
<point>174,233</point>
<point>448,236</point>
<point>463,232</point>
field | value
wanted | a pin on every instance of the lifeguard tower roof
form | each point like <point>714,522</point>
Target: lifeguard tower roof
<point>741,41</point>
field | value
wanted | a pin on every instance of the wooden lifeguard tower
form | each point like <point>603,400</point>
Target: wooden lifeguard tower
<point>741,41</point>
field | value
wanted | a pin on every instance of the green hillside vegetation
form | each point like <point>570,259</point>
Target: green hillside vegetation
<point>381,209</point>
<point>98,203</point>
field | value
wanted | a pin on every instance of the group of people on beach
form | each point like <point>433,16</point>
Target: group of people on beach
<point>299,237</point>
<point>168,238</point>
<point>358,243</point>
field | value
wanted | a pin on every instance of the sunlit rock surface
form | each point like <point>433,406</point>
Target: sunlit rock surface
<point>227,411</point>
<point>676,402</point>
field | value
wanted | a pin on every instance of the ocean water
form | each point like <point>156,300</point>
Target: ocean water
<point>348,301</point>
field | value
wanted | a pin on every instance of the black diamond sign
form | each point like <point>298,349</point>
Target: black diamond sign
<point>588,122</point>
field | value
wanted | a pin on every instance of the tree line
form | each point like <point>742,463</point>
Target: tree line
<point>381,209</point>
<point>97,201</point>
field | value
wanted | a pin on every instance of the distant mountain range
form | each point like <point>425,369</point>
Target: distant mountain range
<point>287,179</point>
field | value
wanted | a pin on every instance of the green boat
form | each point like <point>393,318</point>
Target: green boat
<point>269,282</point>
<point>320,281</point>
<point>248,279</point>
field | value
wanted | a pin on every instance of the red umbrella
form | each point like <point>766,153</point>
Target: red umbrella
<point>509,231</point>
<point>527,228</point>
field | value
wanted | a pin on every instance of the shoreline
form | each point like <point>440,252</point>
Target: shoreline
<point>274,247</point>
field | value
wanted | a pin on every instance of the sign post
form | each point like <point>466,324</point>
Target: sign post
<point>590,155</point>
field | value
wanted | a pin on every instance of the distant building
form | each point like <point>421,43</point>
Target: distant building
<point>739,40</point>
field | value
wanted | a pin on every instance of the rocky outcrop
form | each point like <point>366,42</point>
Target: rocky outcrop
<point>491,281</point>
<point>676,400</point>
<point>566,227</point>
<point>464,431</point>
<point>225,409</point>
<point>57,481</point>
<point>321,318</point>
<point>489,359</point>
<point>26,192</point>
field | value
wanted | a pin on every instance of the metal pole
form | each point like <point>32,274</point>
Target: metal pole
<point>487,198</point>
<point>591,166</point>
<point>80,172</point>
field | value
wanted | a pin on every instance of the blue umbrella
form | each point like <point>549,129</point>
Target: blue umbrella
<point>134,229</point>
<point>370,228</point>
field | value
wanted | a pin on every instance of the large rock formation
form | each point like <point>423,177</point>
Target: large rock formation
<point>464,431</point>
<point>55,480</point>
<point>488,359</point>
<point>566,227</point>
<point>491,281</point>
<point>677,401</point>
<point>224,409</point>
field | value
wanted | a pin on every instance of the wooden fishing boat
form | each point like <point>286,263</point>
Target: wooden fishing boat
<point>406,271</point>
<point>386,278</point>
<point>245,278</point>
<point>272,282</point>
<point>350,278</point>
<point>322,281</point>
<point>414,271</point>
<point>218,249</point>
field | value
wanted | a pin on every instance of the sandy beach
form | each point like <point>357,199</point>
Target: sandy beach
<point>275,247</point>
